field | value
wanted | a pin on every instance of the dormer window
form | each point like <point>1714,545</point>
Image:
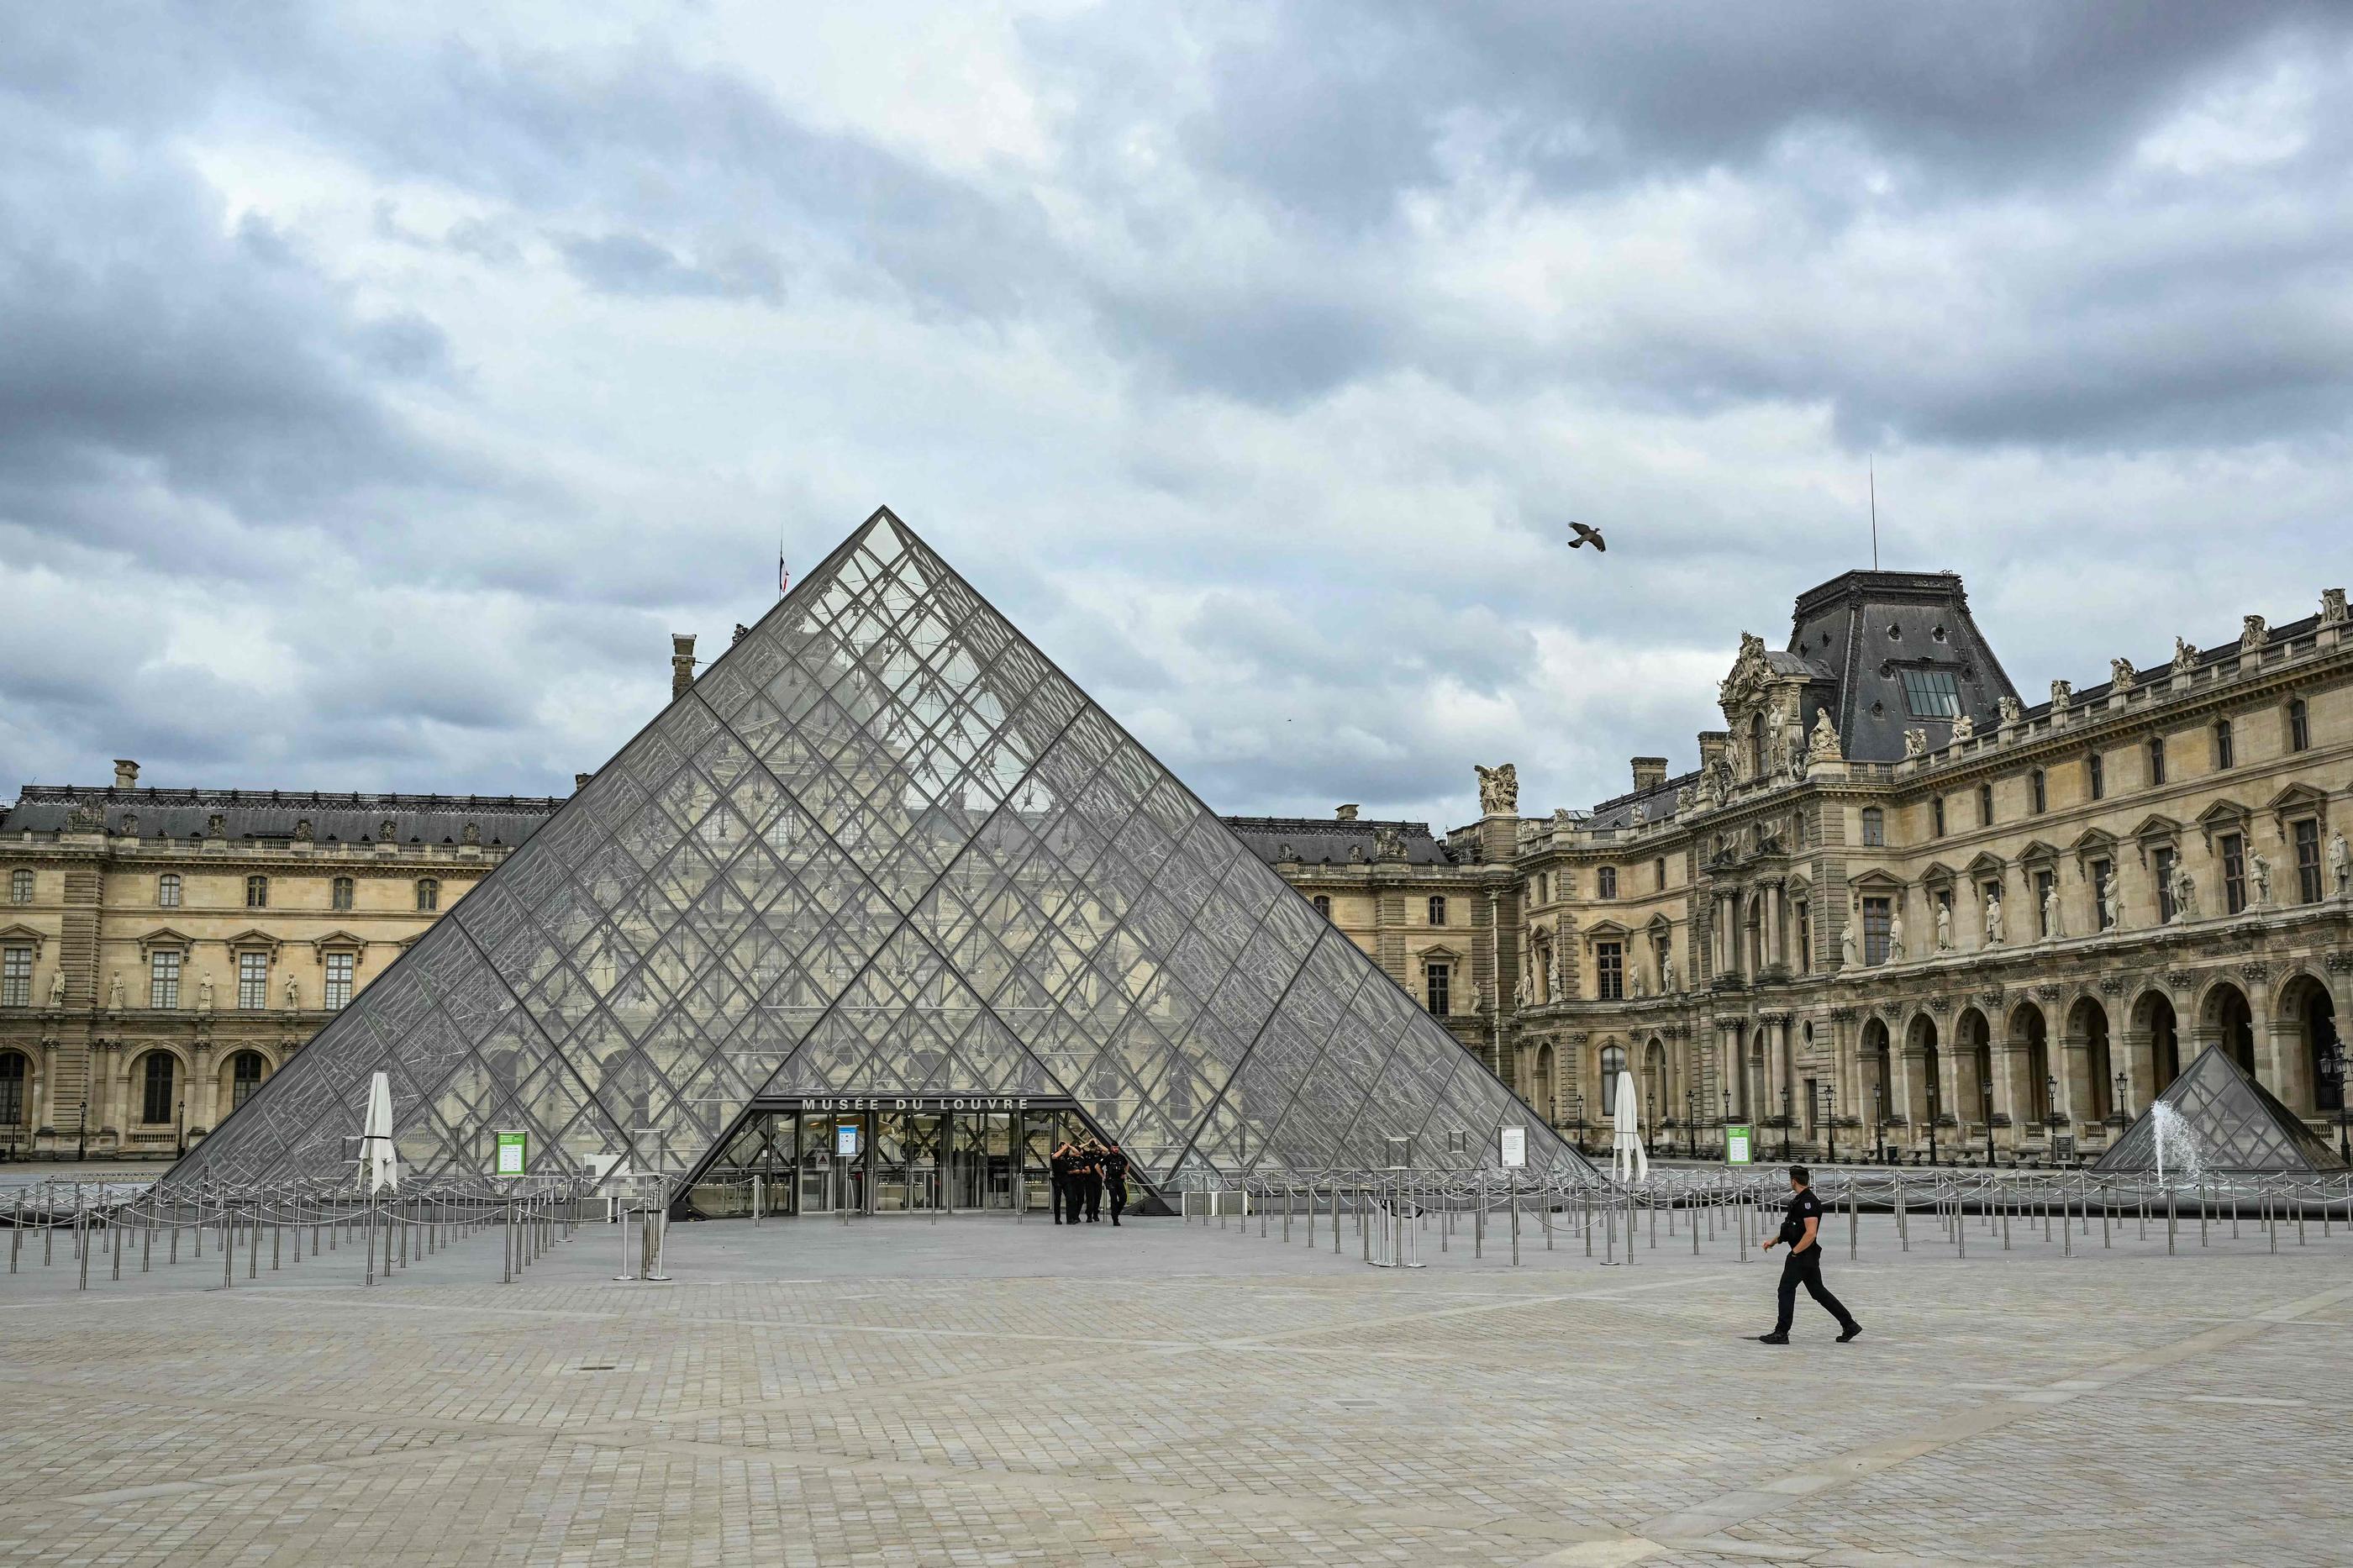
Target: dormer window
<point>1932,694</point>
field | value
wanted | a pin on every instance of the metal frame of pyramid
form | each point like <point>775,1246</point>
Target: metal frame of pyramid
<point>2240,1125</point>
<point>883,845</point>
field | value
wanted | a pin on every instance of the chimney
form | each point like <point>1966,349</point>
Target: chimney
<point>580,782</point>
<point>126,773</point>
<point>1345,814</point>
<point>1650,772</point>
<point>682,663</point>
<point>1713,744</point>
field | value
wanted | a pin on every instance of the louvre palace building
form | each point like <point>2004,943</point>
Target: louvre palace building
<point>1894,907</point>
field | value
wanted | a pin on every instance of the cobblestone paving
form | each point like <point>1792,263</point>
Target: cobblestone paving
<point>980,1392</point>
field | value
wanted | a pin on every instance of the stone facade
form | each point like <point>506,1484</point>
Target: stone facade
<point>1898,905</point>
<point>211,929</point>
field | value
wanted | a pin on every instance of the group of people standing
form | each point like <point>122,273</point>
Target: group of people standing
<point>1084,1174</point>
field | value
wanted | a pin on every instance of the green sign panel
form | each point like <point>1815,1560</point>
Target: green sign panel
<point>513,1152</point>
<point>1739,1150</point>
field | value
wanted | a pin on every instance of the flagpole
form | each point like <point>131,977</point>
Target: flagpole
<point>1874,512</point>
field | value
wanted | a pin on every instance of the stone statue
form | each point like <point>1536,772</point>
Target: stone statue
<point>131,824</point>
<point>2259,871</point>
<point>1284,853</point>
<point>2053,928</point>
<point>2185,656</point>
<point>1389,843</point>
<point>1498,790</point>
<point>2256,634</point>
<point>1964,728</point>
<point>58,986</point>
<point>303,830</point>
<point>386,831</point>
<point>1640,814</point>
<point>2121,674</point>
<point>205,994</point>
<point>2012,710</point>
<point>1915,742</point>
<point>2340,862</point>
<point>1520,990</point>
<point>1552,974</point>
<point>1895,937</point>
<point>1823,746</point>
<point>1777,739</point>
<point>1846,945</point>
<point>471,834</point>
<point>1944,927</point>
<point>114,993</point>
<point>1476,996</point>
<point>2063,696</point>
<point>1712,781</point>
<point>215,826</point>
<point>1667,971</point>
<point>2185,895</point>
<point>293,995</point>
<point>2112,902</point>
<point>2332,606</point>
<point>1993,920</point>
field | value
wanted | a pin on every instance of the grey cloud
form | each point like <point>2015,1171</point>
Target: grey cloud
<point>632,264</point>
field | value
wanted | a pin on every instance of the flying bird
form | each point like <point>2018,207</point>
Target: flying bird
<point>1585,536</point>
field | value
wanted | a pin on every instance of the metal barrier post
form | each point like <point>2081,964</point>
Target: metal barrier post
<point>1516,1219</point>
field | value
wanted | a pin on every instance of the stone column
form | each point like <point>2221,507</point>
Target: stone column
<point>1770,938</point>
<point>1899,1094</point>
<point>205,1092</point>
<point>2138,1049</point>
<point>2074,1070</point>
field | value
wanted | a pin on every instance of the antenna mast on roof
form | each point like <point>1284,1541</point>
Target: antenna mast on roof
<point>1873,471</point>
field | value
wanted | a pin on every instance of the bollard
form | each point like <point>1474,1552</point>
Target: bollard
<point>1290,1201</point>
<point>1479,1220</point>
<point>1853,1221</point>
<point>1516,1219</point>
<point>253,1247</point>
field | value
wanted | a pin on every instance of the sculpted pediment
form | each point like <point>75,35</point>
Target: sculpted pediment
<point>1740,690</point>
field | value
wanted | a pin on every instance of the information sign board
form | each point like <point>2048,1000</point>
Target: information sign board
<point>1738,1148</point>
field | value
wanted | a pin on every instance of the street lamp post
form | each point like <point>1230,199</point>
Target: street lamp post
<point>1691,1120</point>
<point>2338,1062</point>
<point>2052,1120</point>
<point>1933,1108</point>
<point>2123,1112</point>
<point>1651,1128</point>
<point>81,1131</point>
<point>1879,1136</point>
<point>180,1124</point>
<point>1830,1117</point>
<point>1985,1086</point>
<point>1785,1124</point>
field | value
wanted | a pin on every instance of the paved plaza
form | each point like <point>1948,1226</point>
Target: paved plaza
<point>892,1392</point>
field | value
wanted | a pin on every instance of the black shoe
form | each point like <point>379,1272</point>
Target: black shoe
<point>1852,1330</point>
<point>1772,1339</point>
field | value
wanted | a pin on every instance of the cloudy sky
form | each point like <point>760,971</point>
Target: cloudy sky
<point>381,384</point>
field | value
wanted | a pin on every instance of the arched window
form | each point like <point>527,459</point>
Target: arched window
<point>167,890</point>
<point>1874,827</point>
<point>1613,1062</point>
<point>429,894</point>
<point>156,1083</point>
<point>1757,746</point>
<point>341,893</point>
<point>257,893</point>
<point>12,1089</point>
<point>1437,909</point>
<point>1323,905</point>
<point>245,1076</point>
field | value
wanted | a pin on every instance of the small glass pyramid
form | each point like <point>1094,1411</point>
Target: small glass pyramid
<point>882,846</point>
<point>2240,1125</point>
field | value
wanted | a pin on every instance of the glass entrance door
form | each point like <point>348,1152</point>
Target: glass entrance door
<point>982,1169</point>
<point>926,1140</point>
<point>834,1160</point>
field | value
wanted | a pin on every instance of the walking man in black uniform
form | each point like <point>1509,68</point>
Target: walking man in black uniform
<point>1802,1233</point>
<point>1066,1197</point>
<point>1115,1180</point>
<point>1091,1182</point>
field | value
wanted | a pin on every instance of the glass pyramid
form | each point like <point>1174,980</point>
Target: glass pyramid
<point>2240,1125</point>
<point>881,846</point>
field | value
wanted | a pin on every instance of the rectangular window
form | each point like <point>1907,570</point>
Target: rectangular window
<point>2299,726</point>
<point>257,893</point>
<point>339,894</point>
<point>1878,915</point>
<point>1805,924</point>
<point>2306,835</point>
<point>20,887</point>
<point>1932,694</point>
<point>1874,827</point>
<point>167,890</point>
<point>1985,806</point>
<point>2225,751</point>
<point>2102,872</point>
<point>2043,882</point>
<point>2039,787</point>
<point>2156,761</point>
<point>164,979</point>
<point>1323,906</point>
<point>2097,773</point>
<point>252,981</point>
<point>16,976</point>
<point>2234,873</point>
<point>1438,912</point>
<point>1438,983</point>
<point>2161,862</point>
<point>339,980</point>
<point>155,1104</point>
<point>1937,811</point>
<point>429,893</point>
<point>1609,970</point>
<point>1659,872</point>
<point>1606,882</point>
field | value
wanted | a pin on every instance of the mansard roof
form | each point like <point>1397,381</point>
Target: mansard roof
<point>1866,628</point>
<point>335,817</point>
<point>1326,841</point>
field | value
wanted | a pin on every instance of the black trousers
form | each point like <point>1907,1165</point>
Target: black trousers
<point>1806,1268</point>
<point>1118,1194</point>
<point>1092,1186</point>
<point>1062,1199</point>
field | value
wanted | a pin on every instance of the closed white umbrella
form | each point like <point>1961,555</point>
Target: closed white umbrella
<point>379,1166</point>
<point>1626,1149</point>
